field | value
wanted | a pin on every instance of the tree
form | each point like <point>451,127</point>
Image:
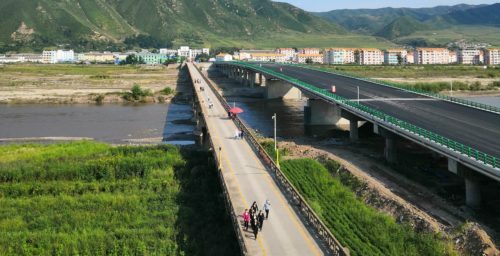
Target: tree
<point>132,59</point>
<point>202,57</point>
<point>400,59</point>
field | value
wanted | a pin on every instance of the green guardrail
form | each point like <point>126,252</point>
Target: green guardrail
<point>406,88</point>
<point>431,136</point>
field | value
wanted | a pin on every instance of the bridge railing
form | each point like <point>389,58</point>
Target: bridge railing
<point>450,144</point>
<point>406,88</point>
<point>229,205</point>
<point>305,209</point>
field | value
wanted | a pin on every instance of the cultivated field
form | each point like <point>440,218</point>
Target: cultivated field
<point>88,198</point>
<point>354,224</point>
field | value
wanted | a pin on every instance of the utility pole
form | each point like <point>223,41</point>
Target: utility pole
<point>275,118</point>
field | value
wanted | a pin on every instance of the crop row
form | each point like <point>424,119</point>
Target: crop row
<point>357,226</point>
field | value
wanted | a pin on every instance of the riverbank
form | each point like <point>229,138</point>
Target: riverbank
<point>86,84</point>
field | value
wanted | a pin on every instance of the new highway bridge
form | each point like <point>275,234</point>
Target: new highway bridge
<point>467,134</point>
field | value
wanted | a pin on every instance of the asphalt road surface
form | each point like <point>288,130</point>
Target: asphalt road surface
<point>472,127</point>
<point>248,180</point>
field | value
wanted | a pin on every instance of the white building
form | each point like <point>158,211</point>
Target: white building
<point>224,57</point>
<point>65,56</point>
<point>371,56</point>
<point>492,56</point>
<point>269,57</point>
<point>432,56</point>
<point>453,58</point>
<point>247,54</point>
<point>289,53</point>
<point>470,56</point>
<point>184,51</point>
<point>315,58</point>
<point>338,56</point>
<point>52,57</point>
<point>169,52</point>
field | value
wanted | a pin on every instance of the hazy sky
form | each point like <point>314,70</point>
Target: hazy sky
<point>327,5</point>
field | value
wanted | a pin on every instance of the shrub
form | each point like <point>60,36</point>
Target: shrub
<point>167,91</point>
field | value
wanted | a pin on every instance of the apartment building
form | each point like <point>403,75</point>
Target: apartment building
<point>492,56</point>
<point>431,56</point>
<point>96,57</point>
<point>49,57</point>
<point>289,53</point>
<point>247,54</point>
<point>309,51</point>
<point>470,56</point>
<point>338,56</point>
<point>269,57</point>
<point>453,58</point>
<point>395,56</point>
<point>153,58</point>
<point>315,58</point>
<point>370,56</point>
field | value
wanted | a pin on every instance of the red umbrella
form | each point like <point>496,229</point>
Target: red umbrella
<point>236,110</point>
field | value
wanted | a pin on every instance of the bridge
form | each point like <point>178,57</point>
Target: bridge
<point>466,133</point>
<point>248,174</point>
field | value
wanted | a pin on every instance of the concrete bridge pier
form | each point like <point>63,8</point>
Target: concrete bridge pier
<point>320,113</point>
<point>472,189</point>
<point>278,89</point>
<point>390,149</point>
<point>354,124</point>
<point>472,183</point>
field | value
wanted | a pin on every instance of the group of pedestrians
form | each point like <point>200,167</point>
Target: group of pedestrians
<point>238,134</point>
<point>255,217</point>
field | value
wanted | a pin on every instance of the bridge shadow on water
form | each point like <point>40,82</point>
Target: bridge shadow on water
<point>179,126</point>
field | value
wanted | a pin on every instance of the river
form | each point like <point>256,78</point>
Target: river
<point>123,124</point>
<point>112,123</point>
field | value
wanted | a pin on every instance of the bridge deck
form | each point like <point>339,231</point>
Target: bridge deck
<point>473,127</point>
<point>248,180</point>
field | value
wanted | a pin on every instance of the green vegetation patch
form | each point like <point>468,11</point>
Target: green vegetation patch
<point>89,198</point>
<point>361,228</point>
<point>413,71</point>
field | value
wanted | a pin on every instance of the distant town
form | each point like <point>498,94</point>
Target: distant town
<point>332,56</point>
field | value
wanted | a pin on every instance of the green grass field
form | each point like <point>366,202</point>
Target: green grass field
<point>361,228</point>
<point>89,198</point>
<point>423,71</point>
<point>74,69</point>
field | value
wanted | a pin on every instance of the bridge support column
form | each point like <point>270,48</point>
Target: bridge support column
<point>390,149</point>
<point>278,89</point>
<point>472,189</point>
<point>354,124</point>
<point>319,112</point>
<point>252,78</point>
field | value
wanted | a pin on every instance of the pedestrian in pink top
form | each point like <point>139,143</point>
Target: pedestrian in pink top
<point>246,219</point>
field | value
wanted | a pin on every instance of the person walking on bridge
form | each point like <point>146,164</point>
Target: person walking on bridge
<point>246,219</point>
<point>255,228</point>
<point>260,219</point>
<point>267,208</point>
